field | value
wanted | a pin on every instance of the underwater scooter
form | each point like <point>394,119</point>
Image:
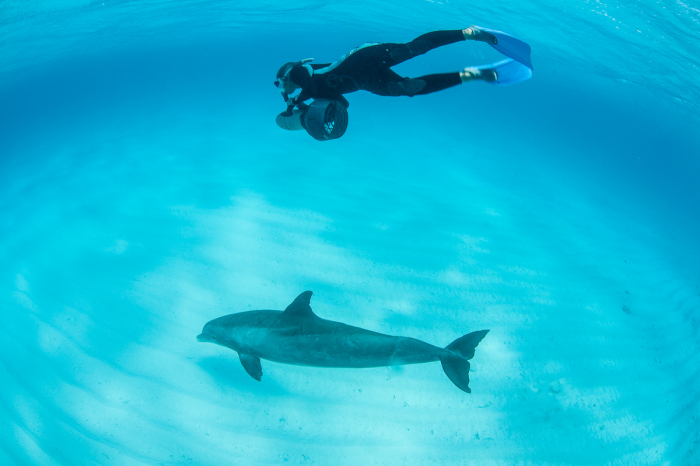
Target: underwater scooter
<point>323,119</point>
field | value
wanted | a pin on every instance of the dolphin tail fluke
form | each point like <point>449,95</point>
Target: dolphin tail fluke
<point>466,345</point>
<point>456,362</point>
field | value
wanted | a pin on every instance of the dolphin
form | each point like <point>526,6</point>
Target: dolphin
<point>298,336</point>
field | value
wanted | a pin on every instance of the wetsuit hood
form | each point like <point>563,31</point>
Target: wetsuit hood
<point>283,72</point>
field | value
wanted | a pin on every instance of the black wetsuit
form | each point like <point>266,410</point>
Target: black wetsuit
<point>369,68</point>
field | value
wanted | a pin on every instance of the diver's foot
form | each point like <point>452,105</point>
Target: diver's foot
<point>407,87</point>
<point>474,33</point>
<point>471,74</point>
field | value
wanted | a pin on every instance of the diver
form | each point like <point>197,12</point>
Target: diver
<point>368,68</point>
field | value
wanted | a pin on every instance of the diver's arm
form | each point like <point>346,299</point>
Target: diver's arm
<point>295,102</point>
<point>303,97</point>
<point>298,102</point>
<point>291,102</point>
<point>301,77</point>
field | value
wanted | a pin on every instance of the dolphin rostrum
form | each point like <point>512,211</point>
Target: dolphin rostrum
<point>298,336</point>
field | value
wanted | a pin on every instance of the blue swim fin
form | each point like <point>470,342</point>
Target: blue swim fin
<point>508,45</point>
<point>507,72</point>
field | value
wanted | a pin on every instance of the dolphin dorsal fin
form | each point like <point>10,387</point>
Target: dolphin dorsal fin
<point>300,306</point>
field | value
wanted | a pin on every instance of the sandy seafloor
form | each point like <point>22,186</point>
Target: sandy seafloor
<point>145,189</point>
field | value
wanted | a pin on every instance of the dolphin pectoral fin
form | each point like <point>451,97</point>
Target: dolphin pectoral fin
<point>252,366</point>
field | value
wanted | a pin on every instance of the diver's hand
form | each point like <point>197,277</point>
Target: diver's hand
<point>291,102</point>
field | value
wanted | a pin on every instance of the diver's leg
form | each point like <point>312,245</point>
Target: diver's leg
<point>422,44</point>
<point>388,83</point>
<point>438,82</point>
<point>508,45</point>
<point>368,64</point>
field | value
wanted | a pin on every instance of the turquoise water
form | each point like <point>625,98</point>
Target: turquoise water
<point>145,189</point>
